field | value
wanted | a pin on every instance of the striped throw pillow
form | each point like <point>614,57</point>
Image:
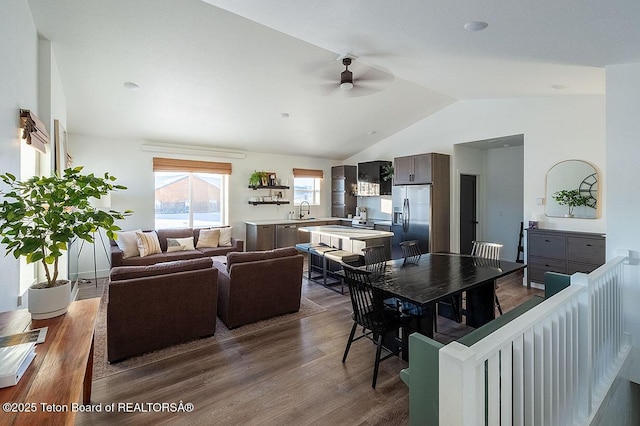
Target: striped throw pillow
<point>148,243</point>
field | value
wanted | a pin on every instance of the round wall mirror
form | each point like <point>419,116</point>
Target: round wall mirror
<point>572,190</point>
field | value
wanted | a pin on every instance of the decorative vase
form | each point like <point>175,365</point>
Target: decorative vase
<point>49,302</point>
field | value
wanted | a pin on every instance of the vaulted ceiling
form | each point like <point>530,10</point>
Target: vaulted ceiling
<point>263,75</point>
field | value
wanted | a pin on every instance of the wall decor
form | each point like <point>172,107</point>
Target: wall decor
<point>572,190</point>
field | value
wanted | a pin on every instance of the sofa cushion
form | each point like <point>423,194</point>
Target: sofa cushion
<point>252,256</point>
<point>128,243</point>
<point>120,273</point>
<point>179,244</point>
<point>225,237</point>
<point>208,238</point>
<point>182,255</point>
<point>163,234</point>
<point>148,243</point>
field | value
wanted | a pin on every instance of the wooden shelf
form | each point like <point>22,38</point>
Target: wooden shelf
<point>268,187</point>
<point>255,203</point>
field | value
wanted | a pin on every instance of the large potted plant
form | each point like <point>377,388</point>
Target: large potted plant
<point>40,216</point>
<point>570,198</point>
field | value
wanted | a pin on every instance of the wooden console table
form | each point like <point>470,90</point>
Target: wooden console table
<point>60,374</point>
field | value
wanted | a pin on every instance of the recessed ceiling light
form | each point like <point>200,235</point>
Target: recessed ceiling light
<point>130,85</point>
<point>284,115</point>
<point>475,26</point>
<point>558,86</point>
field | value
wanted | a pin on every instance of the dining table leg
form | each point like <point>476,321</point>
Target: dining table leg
<point>480,307</point>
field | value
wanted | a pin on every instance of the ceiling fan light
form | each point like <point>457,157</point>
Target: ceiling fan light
<point>347,85</point>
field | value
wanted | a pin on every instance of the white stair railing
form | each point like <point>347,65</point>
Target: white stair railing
<point>552,365</point>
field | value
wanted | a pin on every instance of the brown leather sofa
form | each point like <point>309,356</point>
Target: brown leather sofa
<point>155,306</point>
<point>257,285</point>
<point>118,260</point>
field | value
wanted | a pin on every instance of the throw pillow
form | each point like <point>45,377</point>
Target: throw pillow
<point>148,243</point>
<point>174,245</point>
<point>186,242</point>
<point>128,243</point>
<point>208,238</point>
<point>225,237</point>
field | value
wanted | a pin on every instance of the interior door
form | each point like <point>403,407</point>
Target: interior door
<point>468,217</point>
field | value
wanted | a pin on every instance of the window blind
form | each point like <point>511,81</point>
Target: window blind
<point>308,173</point>
<point>34,131</point>
<point>190,166</point>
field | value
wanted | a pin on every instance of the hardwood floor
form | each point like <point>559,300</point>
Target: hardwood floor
<point>286,375</point>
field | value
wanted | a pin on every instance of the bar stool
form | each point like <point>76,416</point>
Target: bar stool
<point>340,257</point>
<point>320,252</point>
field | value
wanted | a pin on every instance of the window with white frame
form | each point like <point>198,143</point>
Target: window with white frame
<point>187,196</point>
<point>306,186</point>
<point>306,189</point>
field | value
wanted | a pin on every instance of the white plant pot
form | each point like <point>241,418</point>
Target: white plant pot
<point>49,302</point>
<point>568,215</point>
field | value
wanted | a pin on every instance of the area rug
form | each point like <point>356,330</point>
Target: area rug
<point>102,368</point>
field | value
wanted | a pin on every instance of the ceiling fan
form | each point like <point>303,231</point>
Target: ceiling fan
<point>357,79</point>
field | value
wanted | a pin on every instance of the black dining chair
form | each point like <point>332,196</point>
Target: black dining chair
<point>411,254</point>
<point>375,259</point>
<point>410,251</point>
<point>490,251</point>
<point>370,313</point>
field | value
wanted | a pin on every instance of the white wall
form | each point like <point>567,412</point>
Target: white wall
<point>623,203</point>
<point>133,167</point>
<point>18,89</point>
<point>554,129</point>
<point>504,185</point>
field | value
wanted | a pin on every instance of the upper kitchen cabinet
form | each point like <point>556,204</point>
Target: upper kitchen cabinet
<point>372,180</point>
<point>418,169</point>
<point>343,190</point>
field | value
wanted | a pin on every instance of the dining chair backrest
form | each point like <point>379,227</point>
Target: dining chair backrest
<point>410,251</point>
<point>375,258</point>
<point>367,307</point>
<point>486,250</point>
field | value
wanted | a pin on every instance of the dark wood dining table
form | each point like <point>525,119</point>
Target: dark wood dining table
<point>435,277</point>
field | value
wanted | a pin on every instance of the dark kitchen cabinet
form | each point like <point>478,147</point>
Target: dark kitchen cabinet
<point>371,180</point>
<point>343,190</point>
<point>417,169</point>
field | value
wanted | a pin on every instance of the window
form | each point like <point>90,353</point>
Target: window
<point>306,189</point>
<point>306,186</point>
<point>187,196</point>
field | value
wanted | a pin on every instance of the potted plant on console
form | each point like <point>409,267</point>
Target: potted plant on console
<point>40,216</point>
<point>570,198</point>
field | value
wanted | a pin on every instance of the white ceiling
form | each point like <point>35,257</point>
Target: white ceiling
<point>222,72</point>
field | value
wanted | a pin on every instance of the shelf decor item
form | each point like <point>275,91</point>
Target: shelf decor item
<point>40,216</point>
<point>259,178</point>
<point>570,198</point>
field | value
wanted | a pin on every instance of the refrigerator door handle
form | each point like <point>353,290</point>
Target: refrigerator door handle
<point>406,215</point>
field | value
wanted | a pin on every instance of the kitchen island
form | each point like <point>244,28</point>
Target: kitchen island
<point>348,238</point>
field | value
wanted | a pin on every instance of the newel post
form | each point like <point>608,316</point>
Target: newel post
<point>458,388</point>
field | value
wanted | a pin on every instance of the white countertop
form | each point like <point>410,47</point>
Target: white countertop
<point>346,232</point>
<point>309,221</point>
<point>292,221</point>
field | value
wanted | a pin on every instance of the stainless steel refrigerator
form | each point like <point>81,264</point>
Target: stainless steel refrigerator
<point>411,216</point>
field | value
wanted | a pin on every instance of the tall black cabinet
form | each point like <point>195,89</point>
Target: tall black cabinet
<point>343,190</point>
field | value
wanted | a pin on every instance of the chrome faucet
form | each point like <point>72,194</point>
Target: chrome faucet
<point>308,211</point>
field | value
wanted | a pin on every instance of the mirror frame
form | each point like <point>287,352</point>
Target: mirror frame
<point>588,185</point>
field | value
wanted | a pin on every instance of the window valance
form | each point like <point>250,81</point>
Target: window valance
<point>190,166</point>
<point>311,173</point>
<point>33,130</point>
